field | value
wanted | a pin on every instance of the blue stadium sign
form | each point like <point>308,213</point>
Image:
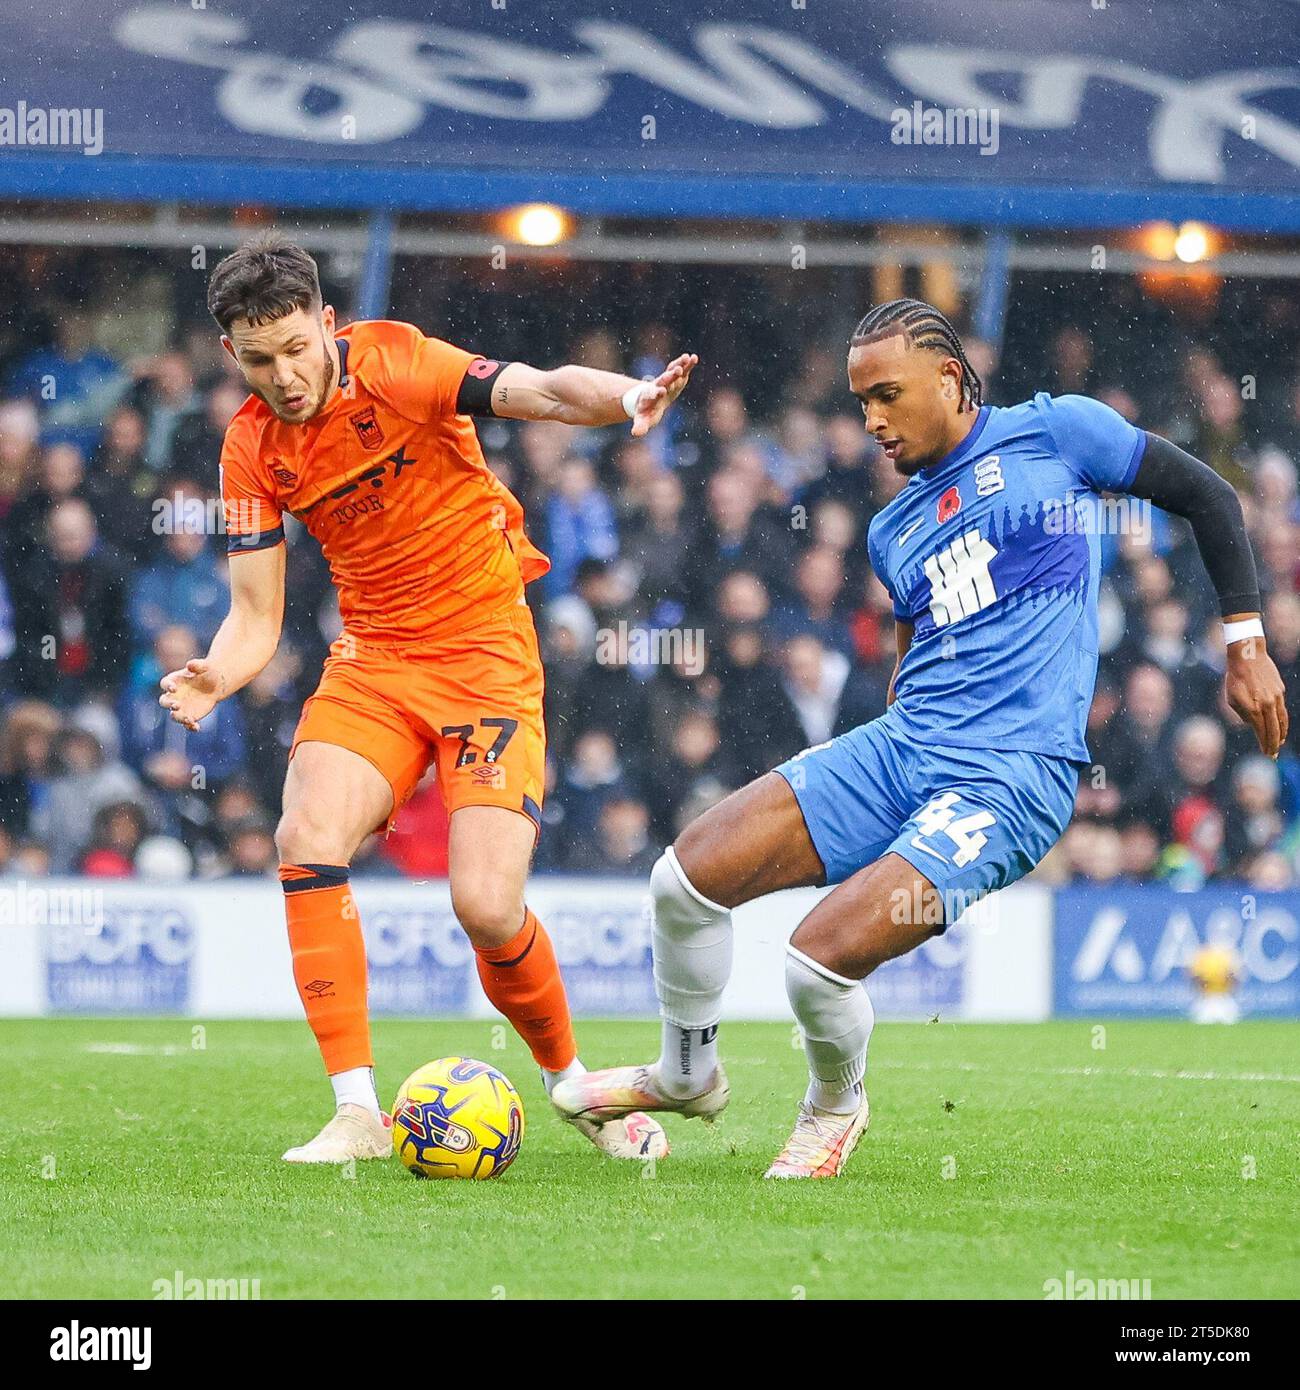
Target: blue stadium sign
<point>135,958</point>
<point>1126,950</point>
<point>1030,112</point>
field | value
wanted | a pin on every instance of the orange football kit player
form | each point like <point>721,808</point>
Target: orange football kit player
<point>364,434</point>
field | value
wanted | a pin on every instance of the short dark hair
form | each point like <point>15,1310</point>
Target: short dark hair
<point>265,279</point>
<point>924,327</point>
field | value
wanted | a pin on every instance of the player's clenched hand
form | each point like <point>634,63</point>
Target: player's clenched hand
<point>192,692</point>
<point>662,392</point>
<point>1255,690</point>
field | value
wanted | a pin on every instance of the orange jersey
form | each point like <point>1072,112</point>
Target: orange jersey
<point>421,538</point>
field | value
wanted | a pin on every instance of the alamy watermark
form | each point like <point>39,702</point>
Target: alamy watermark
<point>682,647</point>
<point>75,1342</point>
<point>26,904</point>
<point>177,1287</point>
<point>919,124</point>
<point>1085,514</point>
<point>188,514</point>
<point>915,907</point>
<point>1080,1288</point>
<point>53,127</point>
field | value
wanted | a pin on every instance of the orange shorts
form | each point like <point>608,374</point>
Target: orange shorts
<point>472,703</point>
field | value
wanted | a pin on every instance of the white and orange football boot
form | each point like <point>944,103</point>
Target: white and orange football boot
<point>353,1133</point>
<point>629,1136</point>
<point>623,1134</point>
<point>820,1143</point>
<point>624,1091</point>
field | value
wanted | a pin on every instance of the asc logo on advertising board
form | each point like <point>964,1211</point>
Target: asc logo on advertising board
<point>1127,950</point>
<point>135,958</point>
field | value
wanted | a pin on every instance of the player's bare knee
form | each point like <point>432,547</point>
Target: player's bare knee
<point>488,916</point>
<point>694,848</point>
<point>677,901</point>
<point>303,838</point>
<point>704,852</point>
<point>830,943</point>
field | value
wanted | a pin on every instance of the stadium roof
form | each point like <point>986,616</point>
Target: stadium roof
<point>1045,112</point>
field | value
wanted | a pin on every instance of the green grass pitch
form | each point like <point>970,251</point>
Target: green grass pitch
<point>998,1157</point>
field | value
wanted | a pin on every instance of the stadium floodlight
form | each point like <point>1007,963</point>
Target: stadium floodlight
<point>539,224</point>
<point>1192,243</point>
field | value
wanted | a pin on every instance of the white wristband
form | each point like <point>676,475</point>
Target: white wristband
<point>1240,631</point>
<point>631,398</point>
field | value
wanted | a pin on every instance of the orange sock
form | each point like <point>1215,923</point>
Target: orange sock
<point>522,979</point>
<point>329,961</point>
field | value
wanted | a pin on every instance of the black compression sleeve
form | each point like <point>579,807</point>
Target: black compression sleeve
<point>1183,485</point>
<point>475,394</point>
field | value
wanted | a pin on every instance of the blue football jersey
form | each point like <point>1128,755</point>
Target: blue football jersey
<point>992,555</point>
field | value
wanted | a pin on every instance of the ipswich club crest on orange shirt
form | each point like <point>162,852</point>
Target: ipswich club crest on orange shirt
<point>368,429</point>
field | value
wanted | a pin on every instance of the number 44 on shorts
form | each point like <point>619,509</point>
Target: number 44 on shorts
<point>966,832</point>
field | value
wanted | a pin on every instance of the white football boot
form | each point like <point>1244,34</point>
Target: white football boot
<point>354,1132</point>
<point>629,1136</point>
<point>820,1143</point>
<point>626,1092</point>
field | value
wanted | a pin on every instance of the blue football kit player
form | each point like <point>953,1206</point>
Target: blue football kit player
<point>991,557</point>
<point>990,553</point>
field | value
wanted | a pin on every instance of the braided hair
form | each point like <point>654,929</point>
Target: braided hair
<point>924,327</point>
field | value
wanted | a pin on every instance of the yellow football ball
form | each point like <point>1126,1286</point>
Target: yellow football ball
<point>457,1118</point>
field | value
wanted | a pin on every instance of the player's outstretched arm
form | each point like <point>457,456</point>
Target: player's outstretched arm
<point>585,396</point>
<point>1176,482</point>
<point>245,641</point>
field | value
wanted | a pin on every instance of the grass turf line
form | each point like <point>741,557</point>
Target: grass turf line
<point>995,1161</point>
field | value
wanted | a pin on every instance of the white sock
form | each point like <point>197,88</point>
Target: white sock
<point>356,1087</point>
<point>830,1099</point>
<point>551,1079</point>
<point>836,1017</point>
<point>687,1059</point>
<point>691,939</point>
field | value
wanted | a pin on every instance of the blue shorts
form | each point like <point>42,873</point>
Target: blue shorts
<point>969,819</point>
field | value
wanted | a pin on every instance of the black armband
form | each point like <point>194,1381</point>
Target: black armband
<point>1178,483</point>
<point>475,394</point>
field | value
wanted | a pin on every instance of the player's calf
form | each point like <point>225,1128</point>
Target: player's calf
<point>836,1019</point>
<point>489,851</point>
<point>691,940</point>
<point>865,921</point>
